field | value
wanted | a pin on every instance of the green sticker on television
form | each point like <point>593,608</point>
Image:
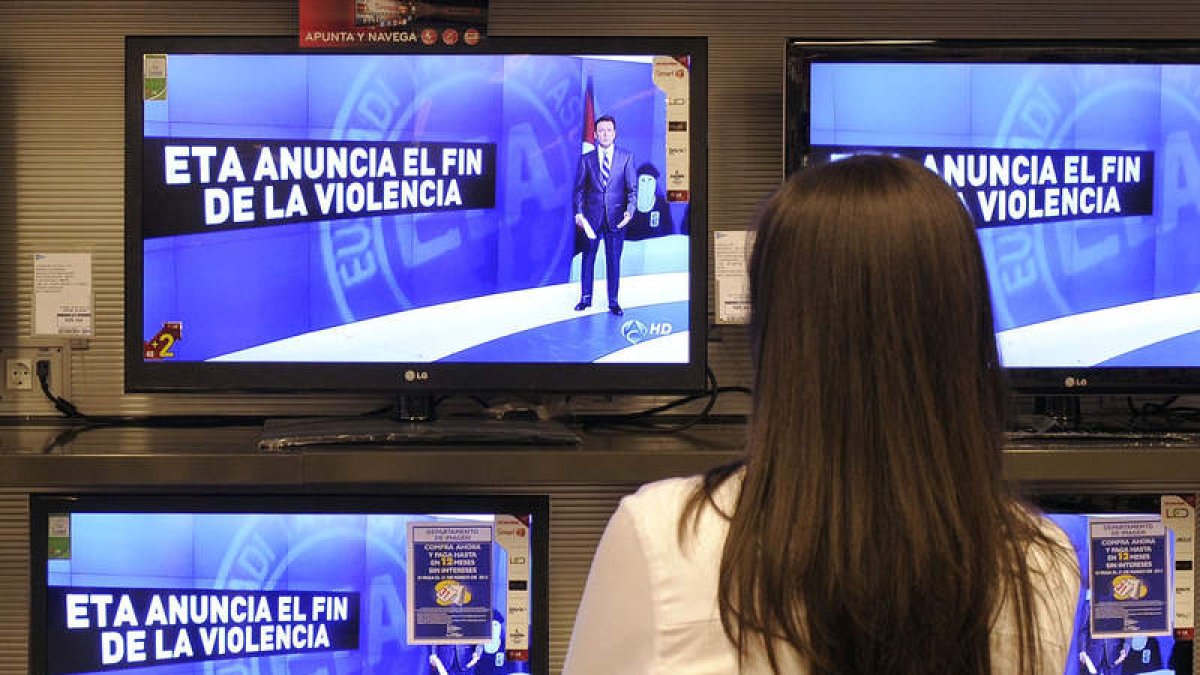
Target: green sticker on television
<point>59,537</point>
<point>154,77</point>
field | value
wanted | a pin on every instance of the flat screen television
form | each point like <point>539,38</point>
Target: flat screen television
<point>1080,162</point>
<point>1169,652</point>
<point>405,220</point>
<point>203,584</point>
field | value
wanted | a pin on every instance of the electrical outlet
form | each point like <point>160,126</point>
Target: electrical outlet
<point>21,391</point>
<point>18,374</point>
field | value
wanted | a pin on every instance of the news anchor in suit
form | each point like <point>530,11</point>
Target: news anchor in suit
<point>605,199</point>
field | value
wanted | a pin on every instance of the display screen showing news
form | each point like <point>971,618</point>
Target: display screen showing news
<point>410,208</point>
<point>1081,176</point>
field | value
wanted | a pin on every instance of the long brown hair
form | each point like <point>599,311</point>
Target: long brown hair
<point>874,532</point>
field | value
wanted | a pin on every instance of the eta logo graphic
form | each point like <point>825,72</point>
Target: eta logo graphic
<point>635,331</point>
<point>369,262</point>
<point>415,376</point>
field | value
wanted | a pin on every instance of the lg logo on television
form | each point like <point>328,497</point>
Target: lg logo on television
<point>415,376</point>
<point>635,331</point>
<point>1072,382</point>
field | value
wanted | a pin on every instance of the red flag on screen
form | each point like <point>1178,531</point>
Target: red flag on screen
<point>589,117</point>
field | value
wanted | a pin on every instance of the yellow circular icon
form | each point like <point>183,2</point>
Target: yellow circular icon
<point>1128,587</point>
<point>450,592</point>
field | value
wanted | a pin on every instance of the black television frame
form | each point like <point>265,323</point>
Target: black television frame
<point>43,504</point>
<point>802,52</point>
<point>421,379</point>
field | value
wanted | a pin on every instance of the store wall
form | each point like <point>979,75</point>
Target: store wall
<point>61,171</point>
<point>61,129</point>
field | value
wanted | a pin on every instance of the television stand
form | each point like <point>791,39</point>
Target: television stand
<point>285,434</point>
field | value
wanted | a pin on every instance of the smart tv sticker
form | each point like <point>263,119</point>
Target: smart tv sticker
<point>154,77</point>
<point>58,536</point>
<point>671,76</point>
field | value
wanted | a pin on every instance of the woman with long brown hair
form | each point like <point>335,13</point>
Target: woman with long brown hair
<point>868,529</point>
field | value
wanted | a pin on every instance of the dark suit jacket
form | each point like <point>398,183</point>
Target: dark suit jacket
<point>604,208</point>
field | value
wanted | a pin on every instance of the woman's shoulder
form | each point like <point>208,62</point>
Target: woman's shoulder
<point>673,494</point>
<point>1053,536</point>
<point>660,507</point>
<point>667,489</point>
<point>661,501</point>
<point>1052,562</point>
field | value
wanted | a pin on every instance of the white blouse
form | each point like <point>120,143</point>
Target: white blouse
<point>650,607</point>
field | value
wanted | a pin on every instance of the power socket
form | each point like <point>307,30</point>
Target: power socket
<point>21,392</point>
<point>18,374</point>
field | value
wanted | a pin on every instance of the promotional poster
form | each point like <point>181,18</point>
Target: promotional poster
<point>415,208</point>
<point>379,24</point>
<point>1091,653</point>
<point>1082,179</point>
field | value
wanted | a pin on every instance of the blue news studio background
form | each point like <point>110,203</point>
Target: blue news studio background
<point>1041,272</point>
<point>302,552</point>
<point>240,288</point>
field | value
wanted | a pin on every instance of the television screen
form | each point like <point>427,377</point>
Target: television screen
<point>1079,164</point>
<point>522,214</point>
<point>239,584</point>
<point>1162,654</point>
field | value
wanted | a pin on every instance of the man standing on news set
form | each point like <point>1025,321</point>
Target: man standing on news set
<point>605,198</point>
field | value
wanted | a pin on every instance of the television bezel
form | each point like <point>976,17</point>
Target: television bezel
<point>802,52</point>
<point>41,505</point>
<point>421,378</point>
